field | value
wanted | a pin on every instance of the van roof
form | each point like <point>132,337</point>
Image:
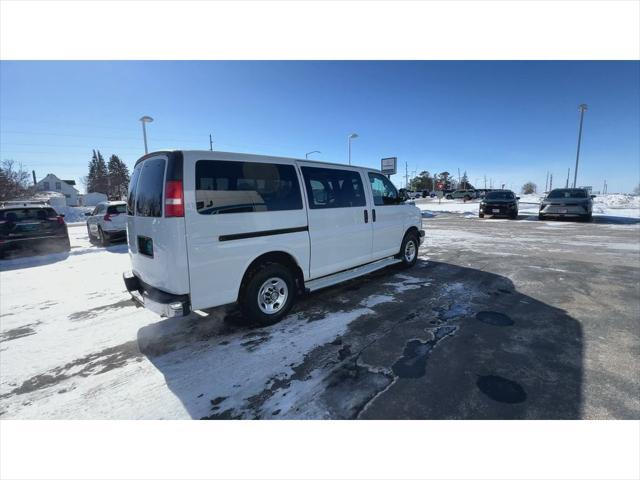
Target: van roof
<point>240,156</point>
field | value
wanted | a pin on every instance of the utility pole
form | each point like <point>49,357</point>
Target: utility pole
<point>458,179</point>
<point>546,183</point>
<point>568,173</point>
<point>210,142</point>
<point>485,182</point>
<point>406,176</point>
<point>582,107</point>
<point>550,182</point>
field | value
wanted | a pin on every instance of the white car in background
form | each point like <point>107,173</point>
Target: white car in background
<point>107,222</point>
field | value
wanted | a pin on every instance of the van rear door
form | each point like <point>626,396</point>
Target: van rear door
<point>155,228</point>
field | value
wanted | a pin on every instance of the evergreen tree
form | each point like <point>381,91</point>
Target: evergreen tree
<point>464,181</point>
<point>98,179</point>
<point>118,178</point>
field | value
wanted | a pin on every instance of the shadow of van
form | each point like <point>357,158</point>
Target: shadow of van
<point>438,341</point>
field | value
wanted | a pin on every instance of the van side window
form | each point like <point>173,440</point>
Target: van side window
<point>150,188</point>
<point>241,187</point>
<point>384,192</point>
<point>331,188</point>
<point>131,199</point>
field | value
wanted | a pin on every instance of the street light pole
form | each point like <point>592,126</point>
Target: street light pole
<point>306,155</point>
<point>352,136</point>
<point>144,120</point>
<point>582,107</point>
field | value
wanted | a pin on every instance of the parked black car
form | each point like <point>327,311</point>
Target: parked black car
<point>499,203</point>
<point>32,227</point>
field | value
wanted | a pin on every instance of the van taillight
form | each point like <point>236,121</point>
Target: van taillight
<point>174,199</point>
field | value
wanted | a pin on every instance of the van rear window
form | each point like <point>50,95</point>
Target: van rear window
<point>131,198</point>
<point>150,187</point>
<point>241,187</point>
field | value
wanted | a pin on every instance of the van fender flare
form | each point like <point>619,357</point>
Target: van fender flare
<point>282,257</point>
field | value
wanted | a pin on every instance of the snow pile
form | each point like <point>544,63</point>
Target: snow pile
<point>72,214</point>
<point>617,200</point>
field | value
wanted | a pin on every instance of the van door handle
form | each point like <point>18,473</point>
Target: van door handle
<point>373,214</point>
<point>366,216</point>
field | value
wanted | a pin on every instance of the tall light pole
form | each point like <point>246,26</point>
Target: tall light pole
<point>351,137</point>
<point>582,107</point>
<point>144,120</point>
<point>306,155</point>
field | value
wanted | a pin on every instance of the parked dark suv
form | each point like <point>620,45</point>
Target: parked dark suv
<point>32,227</point>
<point>499,203</point>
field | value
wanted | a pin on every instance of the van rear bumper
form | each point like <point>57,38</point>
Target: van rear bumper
<point>163,303</point>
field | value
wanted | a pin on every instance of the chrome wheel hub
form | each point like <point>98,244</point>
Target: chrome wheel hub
<point>410,251</point>
<point>272,295</point>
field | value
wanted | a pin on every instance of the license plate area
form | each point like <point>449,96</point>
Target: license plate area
<point>145,246</point>
<point>563,210</point>
<point>496,210</point>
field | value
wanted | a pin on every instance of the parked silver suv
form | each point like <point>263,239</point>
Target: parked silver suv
<point>567,202</point>
<point>107,222</point>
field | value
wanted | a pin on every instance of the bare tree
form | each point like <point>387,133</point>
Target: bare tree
<point>14,180</point>
<point>529,187</point>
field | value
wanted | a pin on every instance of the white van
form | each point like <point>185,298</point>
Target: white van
<point>212,228</point>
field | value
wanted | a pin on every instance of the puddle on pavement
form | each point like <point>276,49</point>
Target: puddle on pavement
<point>413,363</point>
<point>494,318</point>
<point>501,389</point>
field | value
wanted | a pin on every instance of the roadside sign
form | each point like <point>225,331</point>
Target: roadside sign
<point>440,186</point>
<point>389,165</point>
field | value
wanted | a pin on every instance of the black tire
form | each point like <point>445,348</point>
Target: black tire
<point>466,198</point>
<point>514,216</point>
<point>541,217</point>
<point>481,215</point>
<point>249,298</point>
<point>91,239</point>
<point>587,218</point>
<point>403,255</point>
<point>449,197</point>
<point>104,238</point>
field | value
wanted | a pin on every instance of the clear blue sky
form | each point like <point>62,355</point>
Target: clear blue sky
<point>510,121</point>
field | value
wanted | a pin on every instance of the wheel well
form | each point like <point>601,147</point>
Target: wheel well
<point>282,258</point>
<point>412,229</point>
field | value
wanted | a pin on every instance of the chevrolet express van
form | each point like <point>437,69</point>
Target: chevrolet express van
<point>206,229</point>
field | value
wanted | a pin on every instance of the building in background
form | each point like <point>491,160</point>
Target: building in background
<point>51,183</point>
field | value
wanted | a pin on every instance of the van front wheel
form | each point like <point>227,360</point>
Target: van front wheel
<point>409,250</point>
<point>268,295</point>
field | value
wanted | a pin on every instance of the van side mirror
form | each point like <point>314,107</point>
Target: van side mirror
<point>517,198</point>
<point>593,196</point>
<point>403,196</point>
<point>87,214</point>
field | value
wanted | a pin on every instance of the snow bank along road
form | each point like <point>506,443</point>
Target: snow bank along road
<point>499,319</point>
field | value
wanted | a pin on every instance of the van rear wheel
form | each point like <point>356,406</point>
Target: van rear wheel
<point>268,294</point>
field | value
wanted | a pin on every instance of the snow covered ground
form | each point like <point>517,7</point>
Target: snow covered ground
<point>73,345</point>
<point>73,214</point>
<point>610,205</point>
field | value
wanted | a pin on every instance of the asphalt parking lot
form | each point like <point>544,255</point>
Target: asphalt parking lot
<point>499,319</point>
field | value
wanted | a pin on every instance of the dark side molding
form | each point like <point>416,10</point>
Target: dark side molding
<point>263,233</point>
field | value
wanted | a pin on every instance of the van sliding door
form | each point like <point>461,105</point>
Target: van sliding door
<point>340,227</point>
